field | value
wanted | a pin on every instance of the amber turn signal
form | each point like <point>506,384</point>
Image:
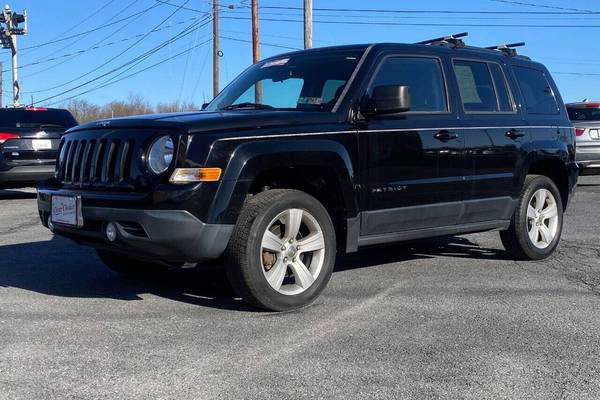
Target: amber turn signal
<point>188,175</point>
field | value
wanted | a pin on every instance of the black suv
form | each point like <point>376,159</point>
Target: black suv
<point>29,140</point>
<point>319,151</point>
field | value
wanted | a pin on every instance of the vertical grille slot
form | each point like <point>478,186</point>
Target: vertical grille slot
<point>64,147</point>
<point>85,162</point>
<point>96,165</point>
<point>69,161</point>
<point>120,162</point>
<point>107,161</point>
<point>77,161</point>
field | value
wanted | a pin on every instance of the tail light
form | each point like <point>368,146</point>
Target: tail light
<point>579,131</point>
<point>5,136</point>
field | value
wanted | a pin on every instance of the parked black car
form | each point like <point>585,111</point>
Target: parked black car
<point>29,140</point>
<point>319,151</point>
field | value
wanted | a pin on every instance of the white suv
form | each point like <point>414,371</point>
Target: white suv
<point>586,118</point>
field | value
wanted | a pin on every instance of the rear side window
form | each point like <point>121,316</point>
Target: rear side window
<point>536,90</point>
<point>505,103</point>
<point>475,86</point>
<point>36,118</point>
<point>422,75</point>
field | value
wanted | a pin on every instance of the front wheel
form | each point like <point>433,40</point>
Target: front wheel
<point>282,251</point>
<point>536,225</point>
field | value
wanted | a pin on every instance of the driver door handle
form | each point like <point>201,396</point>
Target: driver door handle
<point>445,135</point>
<point>514,134</point>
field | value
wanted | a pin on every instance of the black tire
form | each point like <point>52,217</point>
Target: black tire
<point>516,239</point>
<point>243,255</point>
<point>129,267</point>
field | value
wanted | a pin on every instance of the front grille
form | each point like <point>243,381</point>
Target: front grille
<point>96,162</point>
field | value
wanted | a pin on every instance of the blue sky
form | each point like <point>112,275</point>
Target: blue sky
<point>570,53</point>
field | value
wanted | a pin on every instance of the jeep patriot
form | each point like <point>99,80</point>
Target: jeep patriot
<point>321,151</point>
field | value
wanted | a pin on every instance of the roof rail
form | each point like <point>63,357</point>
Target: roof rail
<point>507,49</point>
<point>451,40</point>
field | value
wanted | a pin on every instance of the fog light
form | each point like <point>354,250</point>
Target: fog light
<point>111,232</point>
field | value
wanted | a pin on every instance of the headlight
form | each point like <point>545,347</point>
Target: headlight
<point>160,155</point>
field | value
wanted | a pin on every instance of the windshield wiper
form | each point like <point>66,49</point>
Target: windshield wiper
<point>241,106</point>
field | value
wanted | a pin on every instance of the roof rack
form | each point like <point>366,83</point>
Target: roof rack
<point>451,40</point>
<point>507,49</point>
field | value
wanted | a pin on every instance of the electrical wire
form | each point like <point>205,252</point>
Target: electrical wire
<point>130,75</point>
<point>131,63</point>
<point>113,57</point>
<point>338,22</point>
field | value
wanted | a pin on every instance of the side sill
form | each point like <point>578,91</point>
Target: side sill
<point>433,232</point>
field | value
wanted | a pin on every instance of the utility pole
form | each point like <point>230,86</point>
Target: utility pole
<point>8,38</point>
<point>308,24</point>
<point>256,49</point>
<point>215,48</point>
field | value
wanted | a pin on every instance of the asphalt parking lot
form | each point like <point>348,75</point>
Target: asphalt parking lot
<point>452,318</point>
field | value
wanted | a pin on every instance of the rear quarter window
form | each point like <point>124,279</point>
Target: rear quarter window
<point>536,90</point>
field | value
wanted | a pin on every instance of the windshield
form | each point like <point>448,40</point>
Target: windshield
<point>584,114</point>
<point>35,118</point>
<point>303,82</point>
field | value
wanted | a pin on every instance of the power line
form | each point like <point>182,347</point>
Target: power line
<point>82,37</point>
<point>96,47</point>
<point>541,6</point>
<point>100,27</point>
<point>133,61</point>
<point>434,11</point>
<point>77,25</point>
<point>383,23</point>
<point>132,74</point>
<point>114,57</point>
<point>262,43</point>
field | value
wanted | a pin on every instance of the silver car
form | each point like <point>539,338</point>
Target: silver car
<point>586,118</point>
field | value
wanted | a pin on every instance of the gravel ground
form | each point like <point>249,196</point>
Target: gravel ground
<point>451,318</point>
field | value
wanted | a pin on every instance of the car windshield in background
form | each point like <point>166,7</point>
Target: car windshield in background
<point>304,82</point>
<point>584,114</point>
<point>28,118</point>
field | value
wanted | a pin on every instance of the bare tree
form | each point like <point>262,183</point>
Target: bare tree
<point>85,111</point>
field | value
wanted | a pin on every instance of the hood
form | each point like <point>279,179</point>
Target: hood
<point>207,121</point>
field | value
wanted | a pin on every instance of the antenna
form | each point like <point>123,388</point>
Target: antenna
<point>507,49</point>
<point>453,40</point>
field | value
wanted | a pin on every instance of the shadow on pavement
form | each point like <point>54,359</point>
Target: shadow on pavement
<point>13,194</point>
<point>57,267</point>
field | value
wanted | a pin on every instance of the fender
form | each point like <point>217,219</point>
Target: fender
<point>250,159</point>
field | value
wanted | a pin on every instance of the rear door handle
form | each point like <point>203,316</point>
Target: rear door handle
<point>445,135</point>
<point>514,134</point>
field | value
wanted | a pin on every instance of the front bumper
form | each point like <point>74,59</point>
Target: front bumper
<point>168,236</point>
<point>26,173</point>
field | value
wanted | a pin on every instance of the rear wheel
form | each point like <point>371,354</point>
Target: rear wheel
<point>536,225</point>
<point>128,266</point>
<point>282,251</point>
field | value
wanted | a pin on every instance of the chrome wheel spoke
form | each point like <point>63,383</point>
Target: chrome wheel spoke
<point>272,242</point>
<point>530,212</point>
<point>301,273</point>
<point>293,220</point>
<point>545,234</point>
<point>534,234</point>
<point>276,275</point>
<point>313,242</point>
<point>540,198</point>
<point>550,212</point>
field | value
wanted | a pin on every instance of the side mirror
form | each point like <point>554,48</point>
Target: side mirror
<point>388,99</point>
<point>204,106</point>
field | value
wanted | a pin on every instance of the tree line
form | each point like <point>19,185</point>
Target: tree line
<point>85,111</point>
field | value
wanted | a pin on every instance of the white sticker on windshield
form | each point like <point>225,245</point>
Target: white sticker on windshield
<point>275,63</point>
<point>310,100</point>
